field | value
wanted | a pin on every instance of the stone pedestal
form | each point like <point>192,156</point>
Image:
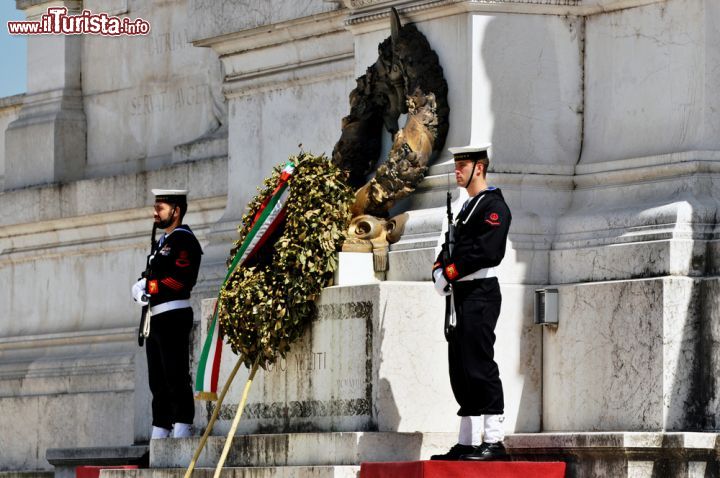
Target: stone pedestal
<point>367,363</point>
<point>376,359</point>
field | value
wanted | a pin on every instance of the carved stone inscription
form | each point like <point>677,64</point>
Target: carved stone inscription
<point>305,362</point>
<point>162,43</point>
<point>328,374</point>
<point>169,99</point>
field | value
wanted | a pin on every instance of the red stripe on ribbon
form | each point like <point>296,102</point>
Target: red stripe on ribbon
<point>270,230</point>
<point>216,363</point>
<point>283,179</point>
<point>215,372</point>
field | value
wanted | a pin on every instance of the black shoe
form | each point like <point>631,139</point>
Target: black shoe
<point>456,452</point>
<point>487,452</point>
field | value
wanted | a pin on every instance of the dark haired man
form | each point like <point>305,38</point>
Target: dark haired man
<point>174,266</point>
<point>469,274</point>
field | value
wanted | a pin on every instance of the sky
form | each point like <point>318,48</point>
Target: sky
<point>13,53</point>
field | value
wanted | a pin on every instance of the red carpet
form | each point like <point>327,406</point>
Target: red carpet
<point>463,469</point>
<point>94,471</point>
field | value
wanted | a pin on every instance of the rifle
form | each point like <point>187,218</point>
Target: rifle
<point>447,251</point>
<point>144,330</point>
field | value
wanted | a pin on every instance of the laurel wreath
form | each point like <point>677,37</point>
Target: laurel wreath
<point>263,309</point>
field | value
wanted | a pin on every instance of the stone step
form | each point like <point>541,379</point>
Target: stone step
<point>66,460</point>
<point>320,455</point>
<point>27,474</point>
<point>623,454</point>
<point>342,471</point>
<point>302,449</point>
<point>619,454</point>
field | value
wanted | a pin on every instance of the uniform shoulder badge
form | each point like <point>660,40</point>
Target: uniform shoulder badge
<point>183,259</point>
<point>492,218</point>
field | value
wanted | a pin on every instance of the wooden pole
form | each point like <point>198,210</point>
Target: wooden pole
<point>236,420</point>
<point>215,414</point>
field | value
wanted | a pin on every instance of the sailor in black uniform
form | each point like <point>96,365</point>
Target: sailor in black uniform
<point>173,272</point>
<point>469,274</point>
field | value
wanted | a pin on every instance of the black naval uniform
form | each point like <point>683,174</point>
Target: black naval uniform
<point>480,238</point>
<point>174,271</point>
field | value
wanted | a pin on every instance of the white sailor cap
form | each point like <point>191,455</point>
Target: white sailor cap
<point>471,152</point>
<point>175,196</point>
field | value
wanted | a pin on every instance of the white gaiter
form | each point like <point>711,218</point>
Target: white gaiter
<point>470,431</point>
<point>494,429</point>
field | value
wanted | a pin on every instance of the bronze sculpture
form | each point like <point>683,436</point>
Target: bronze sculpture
<point>406,79</point>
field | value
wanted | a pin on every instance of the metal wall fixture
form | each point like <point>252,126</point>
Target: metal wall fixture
<point>546,306</point>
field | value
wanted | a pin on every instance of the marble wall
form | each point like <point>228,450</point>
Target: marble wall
<point>155,92</point>
<point>286,89</point>
<point>70,370</point>
<point>213,20</point>
<point>645,181</point>
<point>70,367</point>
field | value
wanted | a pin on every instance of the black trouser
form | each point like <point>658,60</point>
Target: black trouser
<point>474,375</point>
<point>168,356</point>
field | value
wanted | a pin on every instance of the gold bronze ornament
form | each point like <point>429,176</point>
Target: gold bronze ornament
<point>406,79</point>
<point>372,234</point>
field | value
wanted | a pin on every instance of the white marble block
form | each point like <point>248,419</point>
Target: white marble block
<point>355,268</point>
<point>376,359</point>
<point>633,355</point>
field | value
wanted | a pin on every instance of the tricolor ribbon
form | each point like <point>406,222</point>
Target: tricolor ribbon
<point>269,217</point>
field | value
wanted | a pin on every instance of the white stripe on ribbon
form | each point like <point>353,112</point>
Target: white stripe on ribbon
<point>265,225</point>
<point>207,382</point>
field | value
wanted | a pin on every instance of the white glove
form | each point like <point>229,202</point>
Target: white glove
<point>441,283</point>
<point>138,292</point>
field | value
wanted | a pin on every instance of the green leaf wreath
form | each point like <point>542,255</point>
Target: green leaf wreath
<point>265,307</point>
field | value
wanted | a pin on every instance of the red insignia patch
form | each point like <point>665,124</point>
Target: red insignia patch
<point>152,287</point>
<point>451,272</point>
<point>183,260</point>
<point>493,219</point>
